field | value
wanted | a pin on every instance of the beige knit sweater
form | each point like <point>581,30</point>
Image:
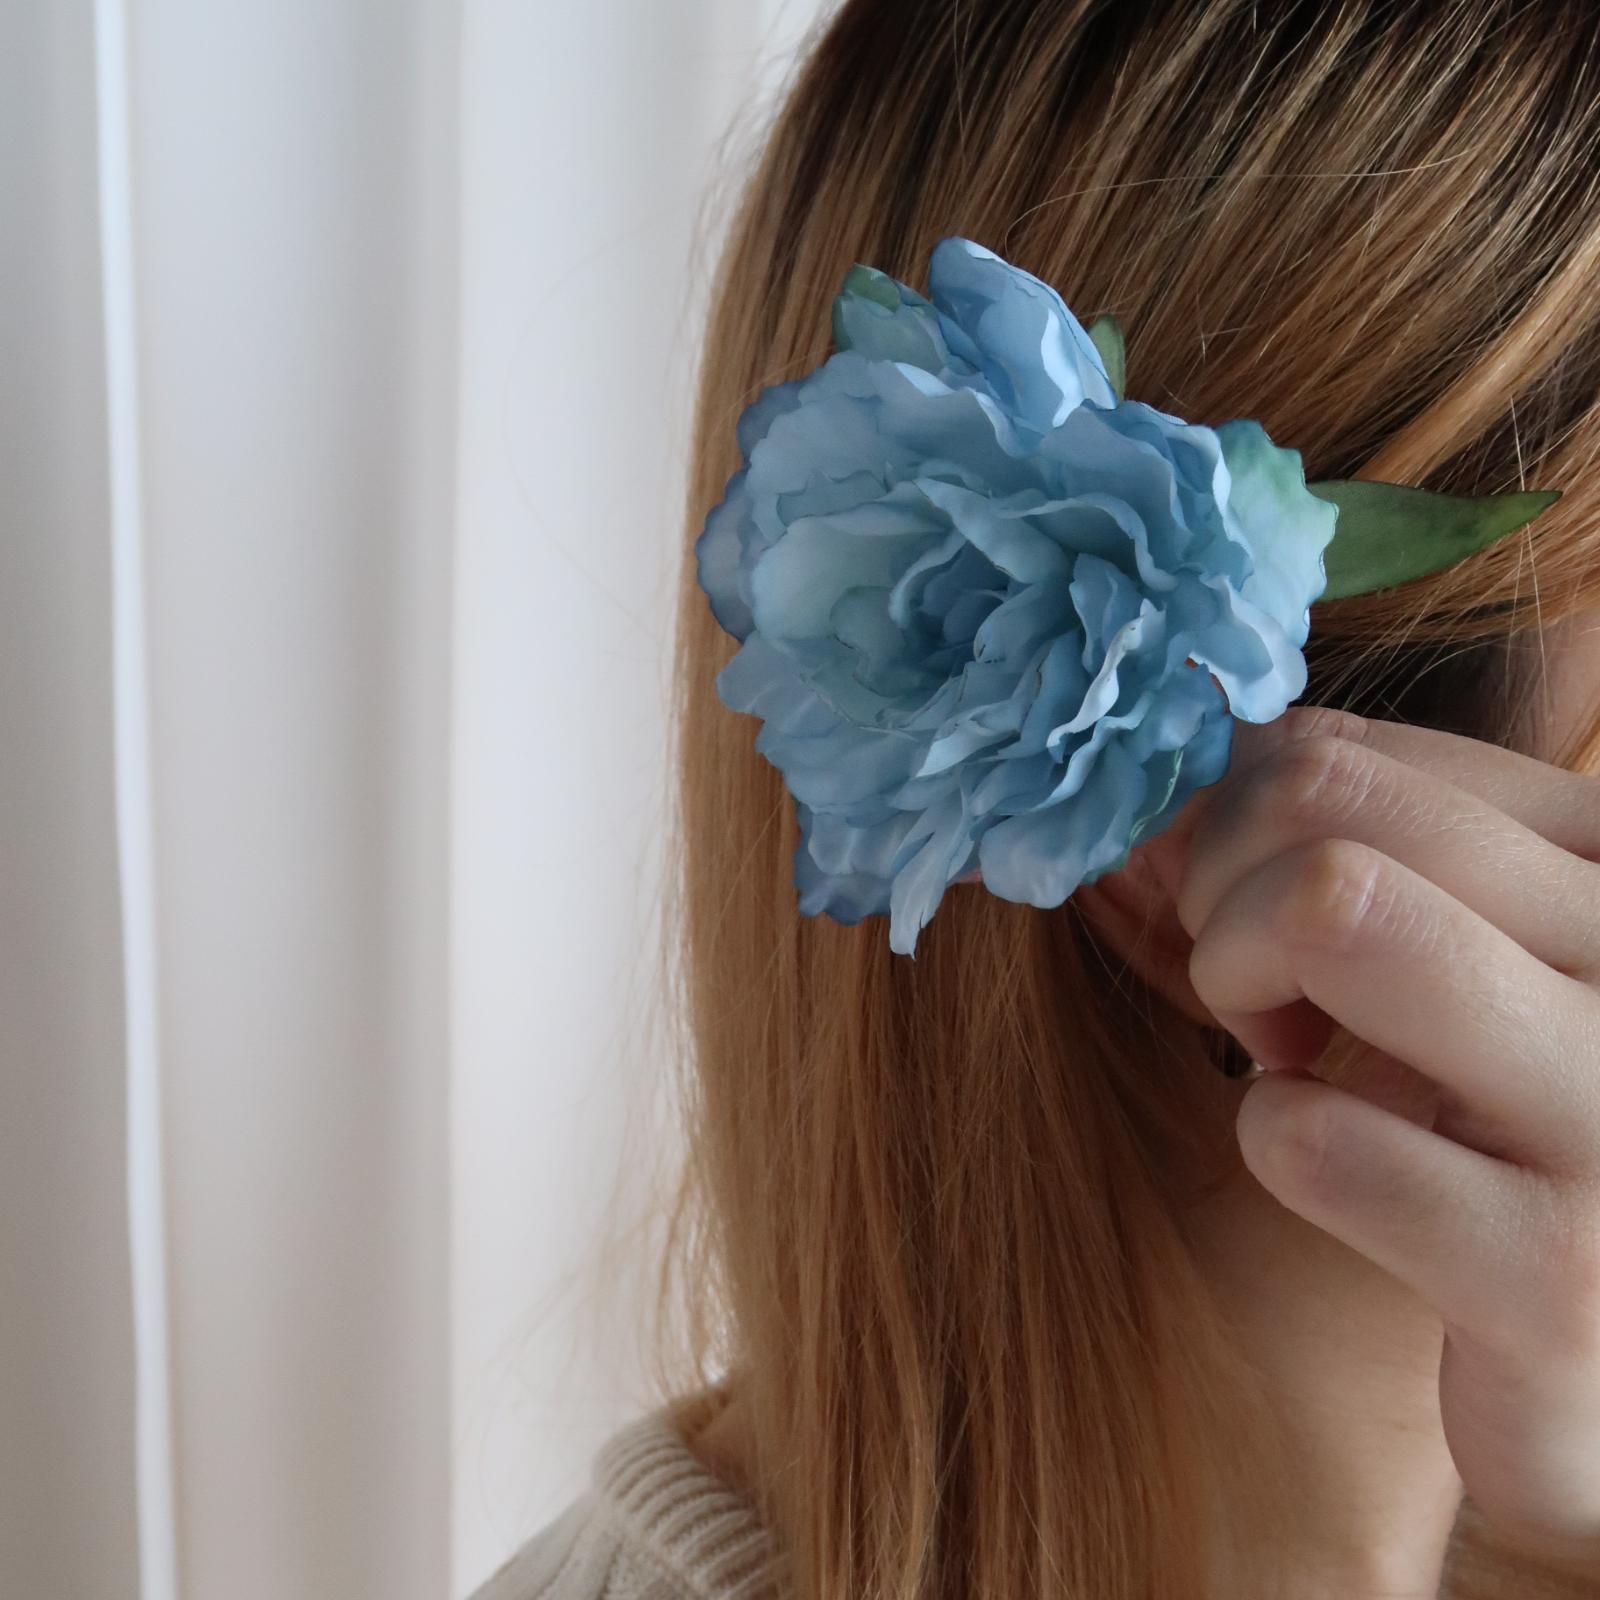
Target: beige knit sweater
<point>654,1523</point>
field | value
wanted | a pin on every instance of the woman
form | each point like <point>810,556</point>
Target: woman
<point>1006,1289</point>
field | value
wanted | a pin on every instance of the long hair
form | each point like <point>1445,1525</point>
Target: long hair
<point>932,1228</point>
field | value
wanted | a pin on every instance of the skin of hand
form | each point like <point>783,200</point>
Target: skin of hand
<point>1439,899</point>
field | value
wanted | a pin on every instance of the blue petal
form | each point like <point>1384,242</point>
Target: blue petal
<point>861,622</point>
<point>845,766</point>
<point>1016,782</point>
<point>1285,526</point>
<point>1105,689</point>
<point>764,682</point>
<point>1040,857</point>
<point>943,842</point>
<point>845,896</point>
<point>928,420</point>
<point>1003,535</point>
<point>1059,682</point>
<point>1204,760</point>
<point>1259,667</point>
<point>903,597</point>
<point>757,418</point>
<point>1036,354</point>
<point>908,331</point>
<point>827,496</point>
<point>1093,452</point>
<point>796,584</point>
<point>1106,601</point>
<point>1086,752</point>
<point>718,553</point>
<point>965,739</point>
<point>969,571</point>
<point>1186,700</point>
<point>1016,627</point>
<point>832,434</point>
<point>1106,526</point>
<point>1199,484</point>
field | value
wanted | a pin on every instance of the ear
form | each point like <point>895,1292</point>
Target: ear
<point>1133,911</point>
<point>1133,916</point>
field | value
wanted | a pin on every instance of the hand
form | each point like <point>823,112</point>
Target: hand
<point>1440,899</point>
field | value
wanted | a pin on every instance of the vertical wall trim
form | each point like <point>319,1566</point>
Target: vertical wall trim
<point>158,1574</point>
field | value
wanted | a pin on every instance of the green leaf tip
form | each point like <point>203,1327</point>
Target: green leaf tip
<point>862,283</point>
<point>872,285</point>
<point>1106,332</point>
<point>1388,534</point>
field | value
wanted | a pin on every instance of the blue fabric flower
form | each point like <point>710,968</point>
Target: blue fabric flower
<point>992,615</point>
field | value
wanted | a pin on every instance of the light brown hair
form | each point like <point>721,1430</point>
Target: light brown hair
<point>933,1227</point>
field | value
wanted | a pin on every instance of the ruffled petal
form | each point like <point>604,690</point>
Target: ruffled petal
<point>1004,535</point>
<point>719,554</point>
<point>1285,527</point>
<point>939,847</point>
<point>845,895</point>
<point>1260,669</point>
<point>1039,858</point>
<point>1036,354</point>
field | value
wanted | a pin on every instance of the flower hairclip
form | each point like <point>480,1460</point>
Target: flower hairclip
<point>995,617</point>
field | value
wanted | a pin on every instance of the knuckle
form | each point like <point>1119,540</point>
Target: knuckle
<point>1323,722</point>
<point>1587,788</point>
<point>1315,779</point>
<point>1293,1147</point>
<point>1305,787</point>
<point>1334,894</point>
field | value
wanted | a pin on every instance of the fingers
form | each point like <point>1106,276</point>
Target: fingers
<point>1562,807</point>
<point>1327,786</point>
<point>1438,1216</point>
<point>1415,973</point>
<point>1436,897</point>
<point>1510,1258</point>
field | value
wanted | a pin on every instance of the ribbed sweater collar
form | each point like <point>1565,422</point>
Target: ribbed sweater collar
<point>679,1514</point>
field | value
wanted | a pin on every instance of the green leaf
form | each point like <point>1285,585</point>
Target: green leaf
<point>871,284</point>
<point>1108,340</point>
<point>1387,534</point>
<point>886,320</point>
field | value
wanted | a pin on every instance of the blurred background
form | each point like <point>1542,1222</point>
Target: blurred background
<point>347,361</point>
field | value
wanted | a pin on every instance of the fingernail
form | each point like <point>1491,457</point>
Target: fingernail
<point>1236,1064</point>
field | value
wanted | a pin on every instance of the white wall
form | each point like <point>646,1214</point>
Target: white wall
<point>67,1492</point>
<point>583,273</point>
<point>347,354</point>
<point>294,211</point>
